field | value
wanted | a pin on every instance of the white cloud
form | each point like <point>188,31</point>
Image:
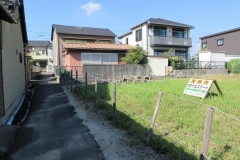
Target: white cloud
<point>91,7</point>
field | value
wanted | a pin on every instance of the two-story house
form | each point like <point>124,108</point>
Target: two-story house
<point>13,38</point>
<point>75,46</point>
<point>38,51</point>
<point>223,42</point>
<point>157,36</point>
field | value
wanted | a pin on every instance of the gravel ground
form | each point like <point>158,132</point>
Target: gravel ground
<point>114,143</point>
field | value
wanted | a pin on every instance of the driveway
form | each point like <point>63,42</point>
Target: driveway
<point>52,131</point>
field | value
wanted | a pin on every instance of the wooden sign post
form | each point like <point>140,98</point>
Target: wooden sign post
<point>200,87</point>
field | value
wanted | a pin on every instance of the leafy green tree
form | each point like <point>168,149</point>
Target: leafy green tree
<point>32,62</point>
<point>136,55</point>
<point>168,53</point>
<point>175,61</point>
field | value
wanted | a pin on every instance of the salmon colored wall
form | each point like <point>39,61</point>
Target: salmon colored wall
<point>74,59</point>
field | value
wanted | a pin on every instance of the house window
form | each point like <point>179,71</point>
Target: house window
<point>126,41</point>
<point>139,35</point>
<point>159,52</point>
<point>99,58</point>
<point>220,42</point>
<point>178,34</point>
<point>182,54</point>
<point>43,51</point>
<point>160,32</point>
<point>204,45</point>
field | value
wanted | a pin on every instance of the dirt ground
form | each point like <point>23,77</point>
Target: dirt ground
<point>114,142</point>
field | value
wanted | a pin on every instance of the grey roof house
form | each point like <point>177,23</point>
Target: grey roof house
<point>158,35</point>
<point>225,41</point>
<point>75,46</point>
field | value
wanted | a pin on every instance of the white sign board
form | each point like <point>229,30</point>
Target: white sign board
<point>198,87</point>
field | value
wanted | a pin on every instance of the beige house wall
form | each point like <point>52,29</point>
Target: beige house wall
<point>12,70</point>
<point>58,41</point>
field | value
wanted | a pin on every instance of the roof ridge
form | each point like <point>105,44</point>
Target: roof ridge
<point>79,26</point>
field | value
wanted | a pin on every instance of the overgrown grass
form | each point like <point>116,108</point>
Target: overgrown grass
<point>180,123</point>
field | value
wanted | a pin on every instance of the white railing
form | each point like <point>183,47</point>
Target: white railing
<point>157,40</point>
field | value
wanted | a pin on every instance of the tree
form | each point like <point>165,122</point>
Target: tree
<point>136,55</point>
<point>175,61</point>
<point>32,62</point>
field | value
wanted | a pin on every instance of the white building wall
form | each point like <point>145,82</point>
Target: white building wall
<point>230,57</point>
<point>146,34</point>
<point>158,65</point>
<point>13,70</point>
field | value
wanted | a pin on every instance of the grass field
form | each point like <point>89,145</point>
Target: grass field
<point>180,122</point>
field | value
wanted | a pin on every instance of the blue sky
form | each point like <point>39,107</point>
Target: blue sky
<point>119,16</point>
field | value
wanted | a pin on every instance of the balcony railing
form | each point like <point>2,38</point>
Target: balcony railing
<point>170,41</point>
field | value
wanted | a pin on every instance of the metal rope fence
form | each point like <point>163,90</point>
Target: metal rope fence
<point>68,80</point>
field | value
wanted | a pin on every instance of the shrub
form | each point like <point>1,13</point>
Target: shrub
<point>136,55</point>
<point>177,62</point>
<point>231,64</point>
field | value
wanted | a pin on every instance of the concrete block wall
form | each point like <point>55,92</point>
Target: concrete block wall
<point>114,71</point>
<point>198,72</point>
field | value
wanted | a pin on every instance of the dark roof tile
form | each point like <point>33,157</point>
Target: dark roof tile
<point>83,30</point>
<point>38,43</point>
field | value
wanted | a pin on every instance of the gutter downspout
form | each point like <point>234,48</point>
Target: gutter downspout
<point>6,11</point>
<point>10,119</point>
<point>147,35</point>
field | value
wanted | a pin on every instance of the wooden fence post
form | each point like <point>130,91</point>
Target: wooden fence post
<point>96,81</point>
<point>71,80</point>
<point>154,117</point>
<point>207,131</point>
<point>86,87</point>
<point>77,80</point>
<point>114,103</point>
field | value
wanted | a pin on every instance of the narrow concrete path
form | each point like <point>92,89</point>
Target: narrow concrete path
<point>52,131</point>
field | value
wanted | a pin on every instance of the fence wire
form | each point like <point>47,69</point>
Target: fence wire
<point>158,126</point>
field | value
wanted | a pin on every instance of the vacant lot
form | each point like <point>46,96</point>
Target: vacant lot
<point>180,122</point>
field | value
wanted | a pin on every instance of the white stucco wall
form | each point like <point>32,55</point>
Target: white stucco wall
<point>13,70</point>
<point>211,56</point>
<point>158,65</point>
<point>146,34</point>
<point>230,57</point>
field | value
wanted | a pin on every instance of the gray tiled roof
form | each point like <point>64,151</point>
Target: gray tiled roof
<point>38,43</point>
<point>167,22</point>
<point>83,30</point>
<point>220,33</point>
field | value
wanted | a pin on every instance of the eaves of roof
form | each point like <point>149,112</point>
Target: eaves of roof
<point>125,34</point>
<point>220,33</point>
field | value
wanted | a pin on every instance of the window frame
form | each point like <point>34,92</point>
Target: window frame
<point>204,43</point>
<point>159,50</point>
<point>126,41</point>
<point>159,32</point>
<point>180,53</point>
<point>138,35</point>
<point>219,40</point>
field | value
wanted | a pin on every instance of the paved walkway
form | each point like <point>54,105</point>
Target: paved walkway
<point>52,131</point>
